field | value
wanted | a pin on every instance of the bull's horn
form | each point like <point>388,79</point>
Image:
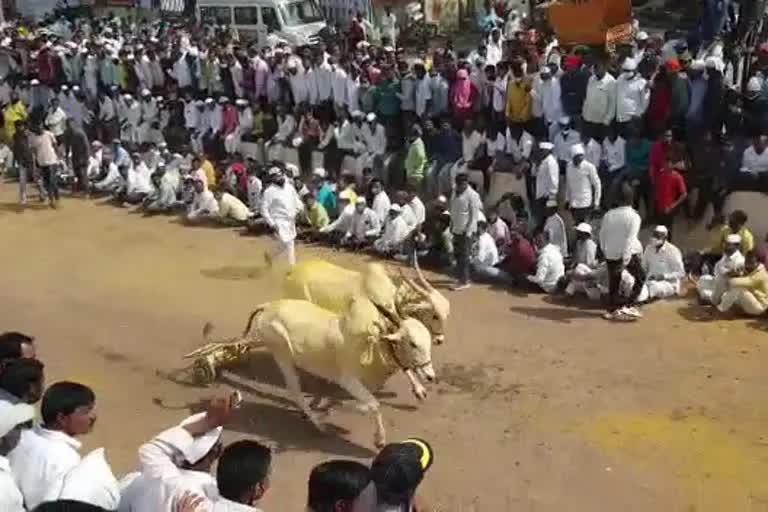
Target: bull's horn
<point>207,330</point>
<point>420,289</point>
<point>420,275</point>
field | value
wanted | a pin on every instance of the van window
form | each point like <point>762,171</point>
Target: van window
<point>217,15</point>
<point>269,17</point>
<point>246,15</point>
<point>298,13</point>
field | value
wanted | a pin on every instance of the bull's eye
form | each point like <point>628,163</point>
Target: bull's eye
<point>413,345</point>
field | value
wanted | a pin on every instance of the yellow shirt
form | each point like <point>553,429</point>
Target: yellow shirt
<point>210,173</point>
<point>747,240</point>
<point>756,282</point>
<point>13,113</point>
<point>519,100</point>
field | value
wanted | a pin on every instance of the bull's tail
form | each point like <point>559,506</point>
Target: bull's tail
<point>256,312</point>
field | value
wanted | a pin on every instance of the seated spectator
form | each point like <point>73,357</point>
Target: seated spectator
<point>487,253</point>
<point>49,451</point>
<point>162,199</point>
<point>498,229</point>
<point>338,229</point>
<point>580,276</point>
<point>554,225</point>
<point>443,150</point>
<point>286,127</point>
<point>232,211</point>
<point>748,292</point>
<point>254,188</point>
<point>339,485</point>
<point>549,264</point>
<point>663,264</point>
<point>380,202</point>
<point>14,418</point>
<point>436,250</point>
<point>737,225</point>
<point>16,345</point>
<point>326,190</point>
<point>204,206</point>
<point>396,231</point>
<point>364,226</point>
<point>22,381</point>
<point>313,218</point>
<point>111,178</point>
<point>711,287</point>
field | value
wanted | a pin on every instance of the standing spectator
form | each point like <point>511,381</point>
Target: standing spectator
<point>16,345</point>
<point>632,95</point>
<point>583,189</point>
<point>44,146</point>
<point>519,102</point>
<point>339,485</point>
<point>599,108</point>
<point>464,95</point>
<point>547,179</point>
<point>389,27</point>
<point>78,150</point>
<point>22,381</point>
<point>466,208</point>
<point>622,250</point>
<point>280,206</point>
<point>416,159</point>
<point>573,87</point>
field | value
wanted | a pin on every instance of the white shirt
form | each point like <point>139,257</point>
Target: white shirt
<point>471,144</point>
<point>381,204</point>
<point>286,129</point>
<point>324,81</point>
<point>191,116</point>
<point>346,136</point>
<point>564,142</point>
<point>417,207</point>
<point>204,202</point>
<point>465,212</point>
<point>555,227</point>
<point>618,233</point>
<point>11,499</point>
<point>423,94</point>
<point>44,146</point>
<point>279,208</point>
<point>342,223</point>
<point>593,152</point>
<point>487,252</point>
<point>753,163</point>
<point>254,193</point>
<point>665,261</point>
<point>615,153</point>
<point>546,99</point>
<point>632,96</point>
<point>56,121</point>
<point>499,99</point>
<point>365,224</point>
<point>520,149</point>
<point>585,253</point>
<point>157,465</point>
<point>141,493</point>
<point>299,87</point>
<point>376,139</point>
<point>339,85</point>
<point>729,263</point>
<point>547,177</point>
<point>232,207</point>
<point>494,52</point>
<point>600,102</point>
<point>41,461</point>
<point>395,232</point>
<point>583,188</point>
<point>106,109</point>
<point>549,268</point>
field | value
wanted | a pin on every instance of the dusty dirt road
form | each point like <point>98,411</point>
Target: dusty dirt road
<point>540,407</point>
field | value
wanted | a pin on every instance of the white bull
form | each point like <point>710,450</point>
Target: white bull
<point>346,349</point>
<point>332,287</point>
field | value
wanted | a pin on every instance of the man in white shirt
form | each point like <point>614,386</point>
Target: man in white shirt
<point>622,250</point>
<point>396,231</point>
<point>547,98</point>
<point>581,276</point>
<point>143,491</point>
<point>381,201</point>
<point>280,205</point>
<point>342,225</point>
<point>712,287</point>
<point>583,189</point>
<point>554,225</point>
<point>236,491</point>
<point>49,451</point>
<point>549,264</point>
<point>232,211</point>
<point>663,264</point>
<point>375,137</point>
<point>12,418</point>
<point>56,118</point>
<point>45,152</point>
<point>204,205</point>
<point>423,90</point>
<point>466,209</point>
<point>599,108</point>
<point>754,164</point>
<point>389,27</point>
<point>564,140</point>
<point>416,206</point>
<point>487,252</point>
<point>632,97</point>
<point>365,226</point>
<point>547,179</point>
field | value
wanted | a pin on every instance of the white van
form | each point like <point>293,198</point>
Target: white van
<point>296,22</point>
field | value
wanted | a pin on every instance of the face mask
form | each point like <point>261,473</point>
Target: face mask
<point>628,74</point>
<point>657,242</point>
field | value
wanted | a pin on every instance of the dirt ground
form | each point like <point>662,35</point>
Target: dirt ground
<point>539,406</point>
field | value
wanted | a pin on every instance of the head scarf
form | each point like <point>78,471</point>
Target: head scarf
<point>462,90</point>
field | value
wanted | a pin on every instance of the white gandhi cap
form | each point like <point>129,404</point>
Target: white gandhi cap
<point>584,228</point>
<point>13,415</point>
<point>202,445</point>
<point>733,239</point>
<point>577,149</point>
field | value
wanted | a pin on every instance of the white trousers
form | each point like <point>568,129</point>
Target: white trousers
<point>662,289</point>
<point>742,298</point>
<point>232,143</point>
<point>712,288</point>
<point>289,248</point>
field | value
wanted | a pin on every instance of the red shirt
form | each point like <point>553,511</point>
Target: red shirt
<point>658,156</point>
<point>521,258</point>
<point>669,185</point>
